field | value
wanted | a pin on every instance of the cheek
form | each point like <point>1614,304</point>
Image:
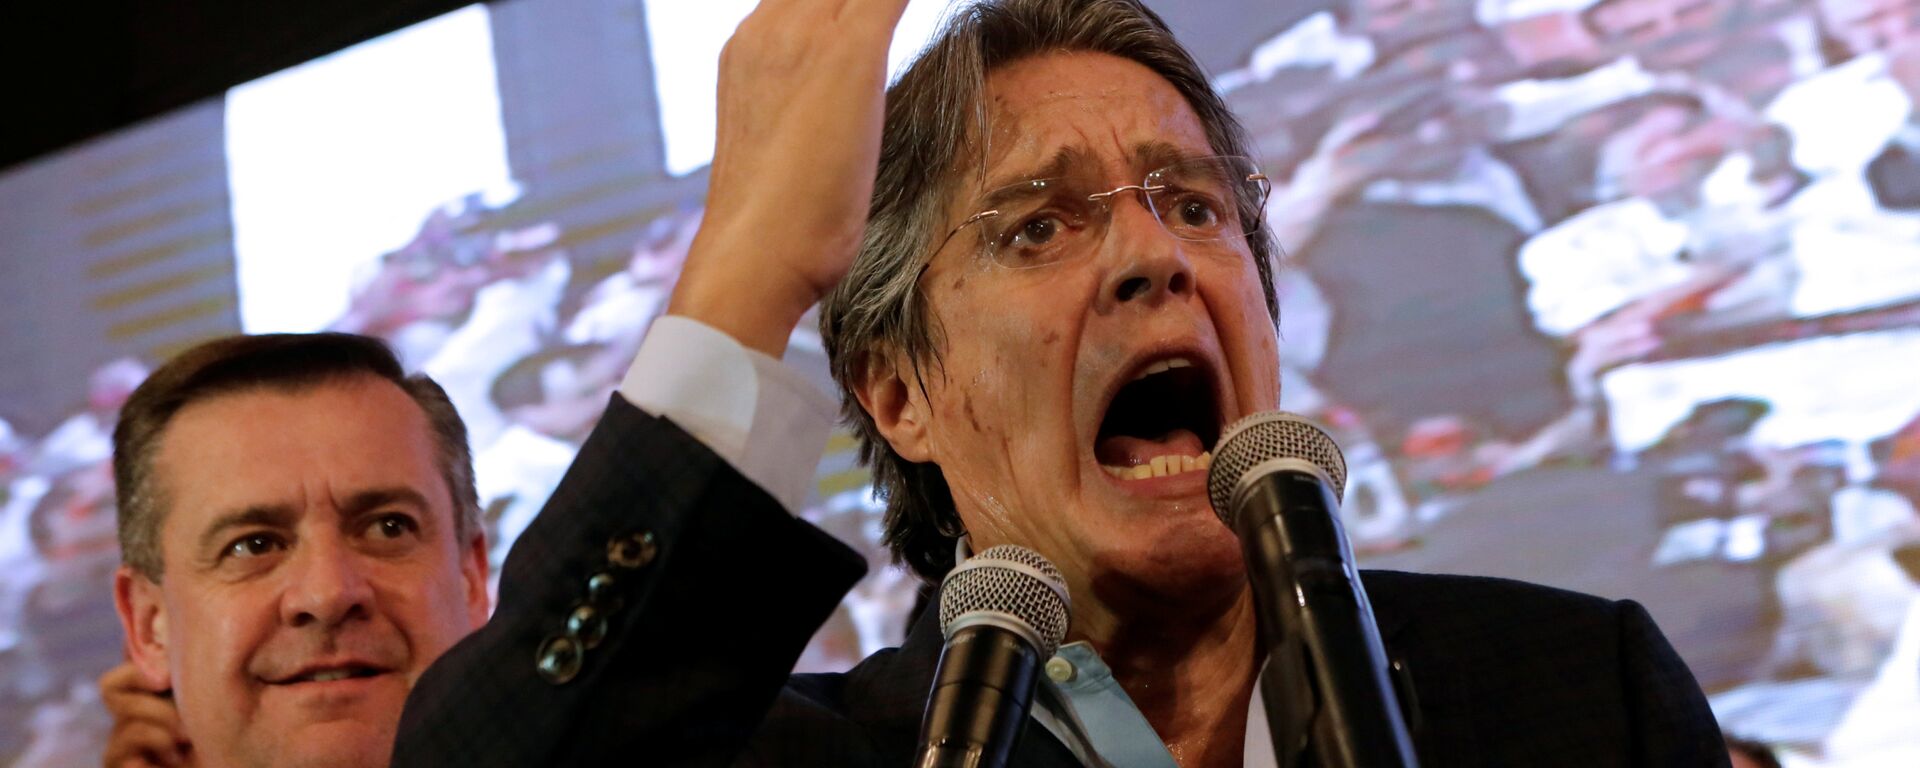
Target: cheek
<point>431,619</point>
<point>1246,333</point>
<point>1000,349</point>
<point>1004,388</point>
<point>213,633</point>
<point>212,636</point>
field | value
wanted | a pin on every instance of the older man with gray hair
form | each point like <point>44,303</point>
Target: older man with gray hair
<point>1045,288</point>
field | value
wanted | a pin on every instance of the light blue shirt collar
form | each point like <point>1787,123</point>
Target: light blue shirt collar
<point>1083,706</point>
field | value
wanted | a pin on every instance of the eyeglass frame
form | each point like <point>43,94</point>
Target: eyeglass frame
<point>1144,190</point>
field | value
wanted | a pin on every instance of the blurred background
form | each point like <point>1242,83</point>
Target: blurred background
<point>1621,296</point>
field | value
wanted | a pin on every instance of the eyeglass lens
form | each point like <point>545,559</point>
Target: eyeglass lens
<point>1046,221</point>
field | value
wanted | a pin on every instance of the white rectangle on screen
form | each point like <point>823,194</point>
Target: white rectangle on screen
<point>339,160</point>
<point>685,39</point>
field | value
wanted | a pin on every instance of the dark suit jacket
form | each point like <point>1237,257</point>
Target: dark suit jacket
<point>692,668</point>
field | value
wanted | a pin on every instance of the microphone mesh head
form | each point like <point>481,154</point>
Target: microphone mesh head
<point>1265,436</point>
<point>1016,583</point>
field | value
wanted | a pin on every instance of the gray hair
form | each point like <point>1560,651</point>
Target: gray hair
<point>876,310</point>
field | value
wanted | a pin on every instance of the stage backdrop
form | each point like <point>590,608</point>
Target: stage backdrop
<point>1620,296</point>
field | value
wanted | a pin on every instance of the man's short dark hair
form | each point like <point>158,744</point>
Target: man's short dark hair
<point>935,115</point>
<point>287,362</point>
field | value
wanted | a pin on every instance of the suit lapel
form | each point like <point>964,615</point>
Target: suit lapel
<point>1444,734</point>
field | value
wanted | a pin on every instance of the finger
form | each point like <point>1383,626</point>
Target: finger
<point>142,744</point>
<point>147,709</point>
<point>123,677</point>
<point>125,703</point>
<point>128,676</point>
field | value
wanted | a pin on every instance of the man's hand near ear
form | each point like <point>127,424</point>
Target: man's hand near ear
<point>146,726</point>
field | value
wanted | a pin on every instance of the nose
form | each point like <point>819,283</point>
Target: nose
<point>328,585</point>
<point>1150,264</point>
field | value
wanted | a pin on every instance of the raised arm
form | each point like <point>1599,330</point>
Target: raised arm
<point>652,612</point>
<point>802,96</point>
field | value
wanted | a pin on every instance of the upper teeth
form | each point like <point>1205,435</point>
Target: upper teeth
<point>1164,366</point>
<point>330,675</point>
<point>1162,466</point>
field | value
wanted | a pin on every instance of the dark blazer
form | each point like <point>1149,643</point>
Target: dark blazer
<point>714,592</point>
<point>1506,673</point>
<point>691,668</point>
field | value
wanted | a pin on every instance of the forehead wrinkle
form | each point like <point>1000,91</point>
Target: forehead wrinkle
<point>1004,132</point>
<point>1064,162</point>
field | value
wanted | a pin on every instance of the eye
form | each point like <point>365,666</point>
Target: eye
<point>254,545</point>
<point>1038,230</point>
<point>1036,238</point>
<point>1195,212</point>
<point>392,525</point>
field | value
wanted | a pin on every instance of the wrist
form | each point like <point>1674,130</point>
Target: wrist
<point>758,309</point>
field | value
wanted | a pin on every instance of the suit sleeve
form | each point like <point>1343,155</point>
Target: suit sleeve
<point>649,615</point>
<point>1672,724</point>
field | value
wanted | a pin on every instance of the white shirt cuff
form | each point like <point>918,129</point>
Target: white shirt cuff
<point>757,414</point>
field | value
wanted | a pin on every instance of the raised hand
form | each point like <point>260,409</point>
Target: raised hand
<point>802,99</point>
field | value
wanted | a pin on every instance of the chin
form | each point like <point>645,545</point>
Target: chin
<point>1191,561</point>
<point>324,745</point>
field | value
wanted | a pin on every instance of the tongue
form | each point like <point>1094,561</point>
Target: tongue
<point>1129,451</point>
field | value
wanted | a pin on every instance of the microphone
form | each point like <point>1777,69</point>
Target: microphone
<point>1003,612</point>
<point>1276,480</point>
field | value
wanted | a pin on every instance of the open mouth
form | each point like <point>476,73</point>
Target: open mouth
<point>1161,422</point>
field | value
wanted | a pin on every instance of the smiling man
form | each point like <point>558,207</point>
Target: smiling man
<point>1044,289</point>
<point>301,539</point>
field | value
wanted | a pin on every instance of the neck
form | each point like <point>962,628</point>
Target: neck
<point>1191,672</point>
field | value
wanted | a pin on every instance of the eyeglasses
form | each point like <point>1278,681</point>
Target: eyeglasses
<point>1049,221</point>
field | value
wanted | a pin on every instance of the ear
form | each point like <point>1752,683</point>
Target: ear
<point>143,617</point>
<point>473,568</point>
<point>892,395</point>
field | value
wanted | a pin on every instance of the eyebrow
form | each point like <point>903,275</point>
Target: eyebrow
<point>369,500</point>
<point>265,515</point>
<point>283,516</point>
<point>1150,155</point>
<point>1062,161</point>
<point>1147,155</point>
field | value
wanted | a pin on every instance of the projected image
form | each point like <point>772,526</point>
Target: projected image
<point>332,163</point>
<point>1621,296</point>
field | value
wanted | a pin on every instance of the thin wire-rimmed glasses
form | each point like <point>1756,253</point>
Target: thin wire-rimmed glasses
<point>1050,221</point>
